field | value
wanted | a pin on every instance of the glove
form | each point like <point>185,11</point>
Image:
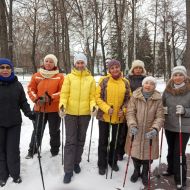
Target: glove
<point>133,131</point>
<point>165,110</point>
<point>31,115</point>
<point>62,112</point>
<point>94,112</point>
<point>180,109</point>
<point>46,98</point>
<point>151,134</point>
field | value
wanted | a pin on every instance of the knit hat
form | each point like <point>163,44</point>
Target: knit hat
<point>113,62</point>
<point>80,57</point>
<point>149,78</point>
<point>51,56</point>
<point>179,69</point>
<point>137,63</point>
<point>6,61</point>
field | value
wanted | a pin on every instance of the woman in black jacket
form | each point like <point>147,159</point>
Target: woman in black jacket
<point>12,99</point>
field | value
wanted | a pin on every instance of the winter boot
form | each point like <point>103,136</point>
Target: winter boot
<point>136,174</point>
<point>2,182</point>
<point>77,168</point>
<point>144,175</point>
<point>102,171</point>
<point>67,177</point>
<point>17,180</point>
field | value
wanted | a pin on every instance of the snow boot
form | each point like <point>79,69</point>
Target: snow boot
<point>144,175</point>
<point>17,180</point>
<point>102,171</point>
<point>67,177</point>
<point>136,174</point>
<point>77,168</point>
<point>2,183</point>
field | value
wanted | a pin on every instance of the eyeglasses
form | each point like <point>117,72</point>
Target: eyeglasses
<point>5,67</point>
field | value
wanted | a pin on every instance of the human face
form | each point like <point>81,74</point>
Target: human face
<point>115,70</point>
<point>178,78</point>
<point>148,86</point>
<point>49,64</point>
<point>5,70</point>
<point>137,71</point>
<point>80,65</point>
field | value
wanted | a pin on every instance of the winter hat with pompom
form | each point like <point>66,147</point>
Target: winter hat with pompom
<point>53,57</point>
<point>149,78</point>
<point>179,69</point>
<point>80,57</point>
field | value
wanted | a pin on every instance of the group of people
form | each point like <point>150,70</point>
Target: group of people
<point>130,113</point>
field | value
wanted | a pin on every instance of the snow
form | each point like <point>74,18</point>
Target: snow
<point>88,179</point>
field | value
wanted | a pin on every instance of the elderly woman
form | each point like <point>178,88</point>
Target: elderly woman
<point>176,99</point>
<point>145,117</point>
<point>77,101</point>
<point>12,100</point>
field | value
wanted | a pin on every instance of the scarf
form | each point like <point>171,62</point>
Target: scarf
<point>48,74</point>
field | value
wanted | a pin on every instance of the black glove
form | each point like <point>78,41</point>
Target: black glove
<point>31,115</point>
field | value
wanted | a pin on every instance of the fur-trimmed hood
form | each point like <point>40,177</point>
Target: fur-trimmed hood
<point>183,90</point>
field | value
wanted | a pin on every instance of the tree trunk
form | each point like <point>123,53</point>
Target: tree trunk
<point>3,30</point>
<point>187,57</point>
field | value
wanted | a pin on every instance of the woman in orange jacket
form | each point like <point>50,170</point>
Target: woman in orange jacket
<point>44,90</point>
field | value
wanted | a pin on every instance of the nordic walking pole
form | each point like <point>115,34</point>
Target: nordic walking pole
<point>180,148</point>
<point>158,175</point>
<point>62,145</point>
<point>115,146</point>
<point>90,139</point>
<point>108,146</point>
<point>132,139</point>
<point>150,158</point>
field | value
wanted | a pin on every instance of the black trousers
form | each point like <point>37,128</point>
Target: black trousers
<point>53,120</point>
<point>173,157</point>
<point>10,152</point>
<point>122,139</point>
<point>103,143</point>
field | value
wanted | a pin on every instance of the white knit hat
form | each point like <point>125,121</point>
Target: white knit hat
<point>149,78</point>
<point>51,56</point>
<point>137,63</point>
<point>179,69</point>
<point>80,57</point>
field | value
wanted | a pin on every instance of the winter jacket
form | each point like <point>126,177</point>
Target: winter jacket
<point>39,85</point>
<point>172,97</point>
<point>12,99</point>
<point>111,92</point>
<point>145,115</point>
<point>78,93</point>
<point>135,81</point>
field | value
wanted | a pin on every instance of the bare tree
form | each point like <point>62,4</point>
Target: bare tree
<point>3,30</point>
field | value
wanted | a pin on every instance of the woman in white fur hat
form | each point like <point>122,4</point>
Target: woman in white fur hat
<point>176,99</point>
<point>44,90</point>
<point>136,74</point>
<point>145,117</point>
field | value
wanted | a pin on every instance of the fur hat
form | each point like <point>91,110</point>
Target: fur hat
<point>80,57</point>
<point>179,69</point>
<point>51,56</point>
<point>113,62</point>
<point>149,78</point>
<point>6,61</point>
<point>137,63</point>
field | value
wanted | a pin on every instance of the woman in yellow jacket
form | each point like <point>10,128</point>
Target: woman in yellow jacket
<point>77,101</point>
<point>112,95</point>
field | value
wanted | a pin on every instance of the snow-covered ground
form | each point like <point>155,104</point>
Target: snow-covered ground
<point>88,179</point>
